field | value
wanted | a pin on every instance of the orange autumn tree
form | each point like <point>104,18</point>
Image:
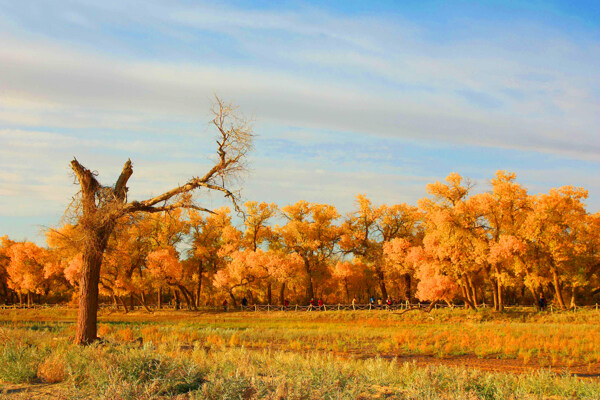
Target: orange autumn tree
<point>311,233</point>
<point>351,276</point>
<point>501,214</point>
<point>29,270</point>
<point>555,230</point>
<point>213,238</point>
<point>99,207</point>
<point>5,244</point>
<point>453,238</point>
<point>257,233</point>
<point>367,230</point>
<point>590,261</point>
<point>257,259</point>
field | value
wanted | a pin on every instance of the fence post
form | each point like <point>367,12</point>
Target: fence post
<point>296,307</point>
<point>268,307</point>
<point>596,306</point>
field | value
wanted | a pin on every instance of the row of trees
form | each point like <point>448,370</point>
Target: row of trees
<point>502,246</point>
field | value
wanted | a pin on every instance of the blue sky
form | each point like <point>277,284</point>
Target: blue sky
<point>349,97</point>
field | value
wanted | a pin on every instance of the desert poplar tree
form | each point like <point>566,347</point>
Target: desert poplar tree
<point>98,208</point>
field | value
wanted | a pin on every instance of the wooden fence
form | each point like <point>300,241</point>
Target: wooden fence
<point>297,307</point>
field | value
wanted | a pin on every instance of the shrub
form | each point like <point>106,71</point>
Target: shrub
<point>52,369</point>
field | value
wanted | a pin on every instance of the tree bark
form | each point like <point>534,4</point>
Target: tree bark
<point>282,293</point>
<point>233,300</point>
<point>466,297</point>
<point>199,286</point>
<point>557,288</point>
<point>473,290</point>
<point>87,317</point>
<point>124,304</point>
<point>381,277</point>
<point>269,293</point>
<point>572,305</point>
<point>347,290</point>
<point>177,301</point>
<point>408,284</point>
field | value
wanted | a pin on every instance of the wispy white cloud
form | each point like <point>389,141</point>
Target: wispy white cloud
<point>330,92</point>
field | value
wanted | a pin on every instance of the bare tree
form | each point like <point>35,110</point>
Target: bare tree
<point>99,207</point>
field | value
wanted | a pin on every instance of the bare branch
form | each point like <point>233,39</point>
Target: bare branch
<point>121,185</point>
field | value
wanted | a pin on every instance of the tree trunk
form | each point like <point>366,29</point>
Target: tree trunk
<point>282,293</point>
<point>142,300</point>
<point>347,290</point>
<point>87,316</point>
<point>466,297</point>
<point>199,286</point>
<point>572,305</point>
<point>557,288</point>
<point>407,289</point>
<point>187,296</point>
<point>495,294</point>
<point>269,293</point>
<point>124,304</point>
<point>310,289</point>
<point>500,301</point>
<point>233,301</point>
<point>381,277</point>
<point>473,291</point>
<point>177,301</point>
<point>535,297</point>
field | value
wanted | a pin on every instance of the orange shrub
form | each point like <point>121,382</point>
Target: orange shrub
<point>126,335</point>
<point>52,369</point>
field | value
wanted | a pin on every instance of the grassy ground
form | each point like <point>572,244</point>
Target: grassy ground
<point>451,354</point>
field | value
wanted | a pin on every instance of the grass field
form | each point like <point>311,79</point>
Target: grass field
<point>452,354</point>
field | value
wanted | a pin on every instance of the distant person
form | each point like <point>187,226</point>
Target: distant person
<point>354,303</point>
<point>542,302</point>
<point>372,302</point>
<point>244,302</point>
<point>286,303</point>
<point>321,308</point>
<point>312,304</point>
<point>388,303</point>
<point>379,303</point>
<point>225,305</point>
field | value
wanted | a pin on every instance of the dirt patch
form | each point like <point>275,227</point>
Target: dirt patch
<point>514,366</point>
<point>35,391</point>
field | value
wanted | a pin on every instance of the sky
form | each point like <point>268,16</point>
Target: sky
<point>347,97</point>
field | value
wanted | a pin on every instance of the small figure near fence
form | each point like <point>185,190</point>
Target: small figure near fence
<point>225,305</point>
<point>321,308</point>
<point>388,303</point>
<point>286,304</point>
<point>379,303</point>
<point>312,305</point>
<point>372,301</point>
<point>542,303</point>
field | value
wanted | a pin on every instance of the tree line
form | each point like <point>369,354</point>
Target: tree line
<point>500,247</point>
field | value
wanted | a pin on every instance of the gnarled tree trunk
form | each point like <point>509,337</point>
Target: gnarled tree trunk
<point>88,287</point>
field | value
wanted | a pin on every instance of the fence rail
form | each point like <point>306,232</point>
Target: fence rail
<point>298,307</point>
